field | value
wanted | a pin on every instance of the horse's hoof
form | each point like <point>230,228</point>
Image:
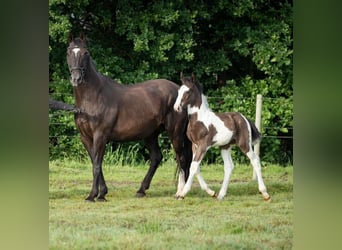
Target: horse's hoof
<point>178,197</point>
<point>89,199</point>
<point>215,195</point>
<point>140,194</point>
<point>101,199</point>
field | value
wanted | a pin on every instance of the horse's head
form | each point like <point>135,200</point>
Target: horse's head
<point>186,93</point>
<point>78,59</point>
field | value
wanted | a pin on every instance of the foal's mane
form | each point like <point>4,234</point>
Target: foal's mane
<point>196,83</point>
<point>199,86</point>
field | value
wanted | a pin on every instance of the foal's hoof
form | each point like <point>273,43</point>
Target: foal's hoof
<point>267,199</point>
<point>178,197</point>
<point>215,195</point>
<point>140,194</point>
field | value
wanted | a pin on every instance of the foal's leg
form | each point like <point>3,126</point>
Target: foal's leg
<point>182,147</point>
<point>155,157</point>
<point>255,161</point>
<point>228,168</point>
<point>195,170</point>
<point>203,184</point>
<point>198,154</point>
<point>254,175</point>
<point>175,126</point>
<point>181,183</point>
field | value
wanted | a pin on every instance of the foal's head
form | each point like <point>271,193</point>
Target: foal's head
<point>78,59</point>
<point>188,93</point>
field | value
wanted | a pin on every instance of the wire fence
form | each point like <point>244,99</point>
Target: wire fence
<point>265,129</point>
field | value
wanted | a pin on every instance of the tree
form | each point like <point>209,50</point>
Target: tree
<point>237,49</point>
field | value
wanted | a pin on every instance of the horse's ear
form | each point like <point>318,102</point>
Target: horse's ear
<point>70,37</point>
<point>181,75</point>
<point>193,78</point>
<point>82,36</point>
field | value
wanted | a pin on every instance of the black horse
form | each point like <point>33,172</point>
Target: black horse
<point>115,112</point>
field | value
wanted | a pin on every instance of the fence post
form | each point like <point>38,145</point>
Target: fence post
<point>258,121</point>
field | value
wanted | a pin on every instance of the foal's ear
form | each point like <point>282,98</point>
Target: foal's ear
<point>181,75</point>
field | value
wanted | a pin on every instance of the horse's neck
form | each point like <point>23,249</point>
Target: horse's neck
<point>89,90</point>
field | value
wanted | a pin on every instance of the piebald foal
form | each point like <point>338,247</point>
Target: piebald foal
<point>207,129</point>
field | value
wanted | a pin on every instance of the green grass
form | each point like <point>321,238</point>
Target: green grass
<point>243,220</point>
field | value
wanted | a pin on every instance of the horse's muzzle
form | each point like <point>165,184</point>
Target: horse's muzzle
<point>76,76</point>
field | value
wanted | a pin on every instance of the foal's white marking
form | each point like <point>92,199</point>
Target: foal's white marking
<point>228,169</point>
<point>249,132</point>
<point>208,117</point>
<point>76,50</point>
<point>194,170</point>
<point>181,182</point>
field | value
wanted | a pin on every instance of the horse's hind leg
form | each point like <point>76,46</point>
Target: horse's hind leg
<point>155,157</point>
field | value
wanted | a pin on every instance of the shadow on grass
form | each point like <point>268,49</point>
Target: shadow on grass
<point>234,189</point>
<point>167,189</point>
<point>65,194</point>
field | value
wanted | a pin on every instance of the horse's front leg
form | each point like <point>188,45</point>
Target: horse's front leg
<point>100,147</point>
<point>88,144</point>
<point>96,155</point>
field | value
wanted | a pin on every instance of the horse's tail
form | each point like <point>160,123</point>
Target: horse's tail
<point>58,105</point>
<point>256,136</point>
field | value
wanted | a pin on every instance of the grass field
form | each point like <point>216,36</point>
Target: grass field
<point>243,220</point>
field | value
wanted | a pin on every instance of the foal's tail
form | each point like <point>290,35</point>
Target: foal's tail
<point>256,136</point>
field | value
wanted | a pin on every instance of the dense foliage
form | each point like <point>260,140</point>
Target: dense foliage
<point>237,49</point>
